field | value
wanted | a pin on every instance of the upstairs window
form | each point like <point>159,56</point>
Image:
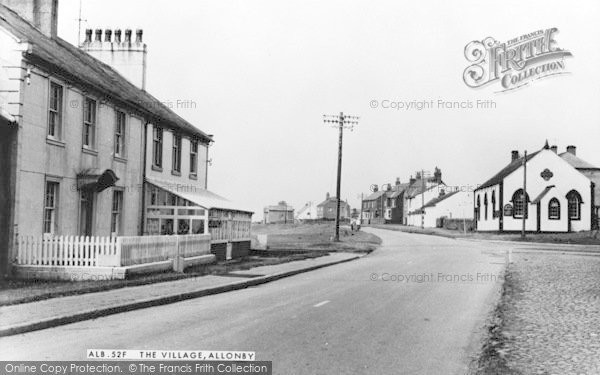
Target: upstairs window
<point>120,123</point>
<point>55,110</point>
<point>157,146</point>
<point>574,205</point>
<point>176,152</point>
<point>193,157</point>
<point>89,123</point>
<point>554,209</point>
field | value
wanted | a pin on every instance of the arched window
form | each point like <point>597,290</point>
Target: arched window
<point>493,204</point>
<point>478,209</point>
<point>554,209</point>
<point>574,205</point>
<point>485,204</point>
<point>520,204</point>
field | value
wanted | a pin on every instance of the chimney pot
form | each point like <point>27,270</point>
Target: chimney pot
<point>98,35</point>
<point>554,149</point>
<point>514,155</point>
<point>572,150</point>
<point>138,35</point>
<point>107,35</point>
<point>128,36</point>
<point>88,35</point>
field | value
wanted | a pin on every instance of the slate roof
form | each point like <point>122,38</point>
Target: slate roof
<point>374,196</point>
<point>332,200</point>
<point>438,199</point>
<point>510,168</point>
<point>576,162</point>
<point>79,67</point>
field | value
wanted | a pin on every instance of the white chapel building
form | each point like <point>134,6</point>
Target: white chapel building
<point>562,194</point>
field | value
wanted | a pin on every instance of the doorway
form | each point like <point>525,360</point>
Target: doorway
<point>86,212</point>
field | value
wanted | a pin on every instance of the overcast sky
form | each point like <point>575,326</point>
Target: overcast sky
<point>263,72</point>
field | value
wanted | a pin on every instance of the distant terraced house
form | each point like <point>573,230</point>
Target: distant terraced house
<point>562,194</point>
<point>86,151</point>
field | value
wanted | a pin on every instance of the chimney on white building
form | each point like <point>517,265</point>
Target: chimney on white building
<point>554,149</point>
<point>514,155</point>
<point>43,14</point>
<point>118,50</point>
<point>572,150</point>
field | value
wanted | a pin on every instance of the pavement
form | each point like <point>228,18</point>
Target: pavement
<point>53,312</point>
<point>417,305</point>
<point>551,314</point>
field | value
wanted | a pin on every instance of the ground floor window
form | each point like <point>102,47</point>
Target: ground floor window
<point>554,209</point>
<point>50,207</point>
<point>574,205</point>
<point>520,202</point>
<point>117,208</point>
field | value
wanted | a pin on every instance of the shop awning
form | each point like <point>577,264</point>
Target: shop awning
<point>201,197</point>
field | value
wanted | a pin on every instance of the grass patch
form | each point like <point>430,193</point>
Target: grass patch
<point>318,237</point>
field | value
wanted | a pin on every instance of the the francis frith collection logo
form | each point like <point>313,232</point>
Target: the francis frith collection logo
<point>515,63</point>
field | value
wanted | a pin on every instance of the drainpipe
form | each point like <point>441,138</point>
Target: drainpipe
<point>145,148</point>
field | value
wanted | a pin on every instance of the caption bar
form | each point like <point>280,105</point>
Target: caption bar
<point>135,367</point>
<point>170,355</point>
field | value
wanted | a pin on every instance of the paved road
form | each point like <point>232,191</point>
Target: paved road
<point>346,319</point>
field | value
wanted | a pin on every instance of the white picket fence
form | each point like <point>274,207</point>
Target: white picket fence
<point>94,251</point>
<point>79,251</point>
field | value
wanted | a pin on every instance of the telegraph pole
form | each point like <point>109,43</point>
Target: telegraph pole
<point>524,198</point>
<point>342,121</point>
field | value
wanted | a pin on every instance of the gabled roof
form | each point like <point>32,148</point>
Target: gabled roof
<point>79,67</point>
<point>510,168</point>
<point>438,199</point>
<point>420,186</point>
<point>541,195</point>
<point>398,189</point>
<point>375,195</point>
<point>576,162</point>
<point>331,200</point>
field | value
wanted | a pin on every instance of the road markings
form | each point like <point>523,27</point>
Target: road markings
<point>321,303</point>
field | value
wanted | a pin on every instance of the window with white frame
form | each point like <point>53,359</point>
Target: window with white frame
<point>120,123</point>
<point>117,211</point>
<point>89,123</point>
<point>176,152</point>
<point>193,156</point>
<point>157,146</point>
<point>55,106</point>
<point>574,205</point>
<point>554,209</point>
<point>50,207</point>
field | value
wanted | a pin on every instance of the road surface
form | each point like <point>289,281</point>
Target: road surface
<point>417,305</point>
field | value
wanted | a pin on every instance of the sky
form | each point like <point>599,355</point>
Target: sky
<point>262,74</point>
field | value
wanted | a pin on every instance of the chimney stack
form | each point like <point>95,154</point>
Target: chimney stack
<point>437,175</point>
<point>412,180</point>
<point>554,149</point>
<point>120,52</point>
<point>572,150</point>
<point>397,181</point>
<point>43,14</point>
<point>514,155</point>
<point>327,196</point>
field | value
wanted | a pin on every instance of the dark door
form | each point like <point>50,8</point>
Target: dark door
<point>86,213</point>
